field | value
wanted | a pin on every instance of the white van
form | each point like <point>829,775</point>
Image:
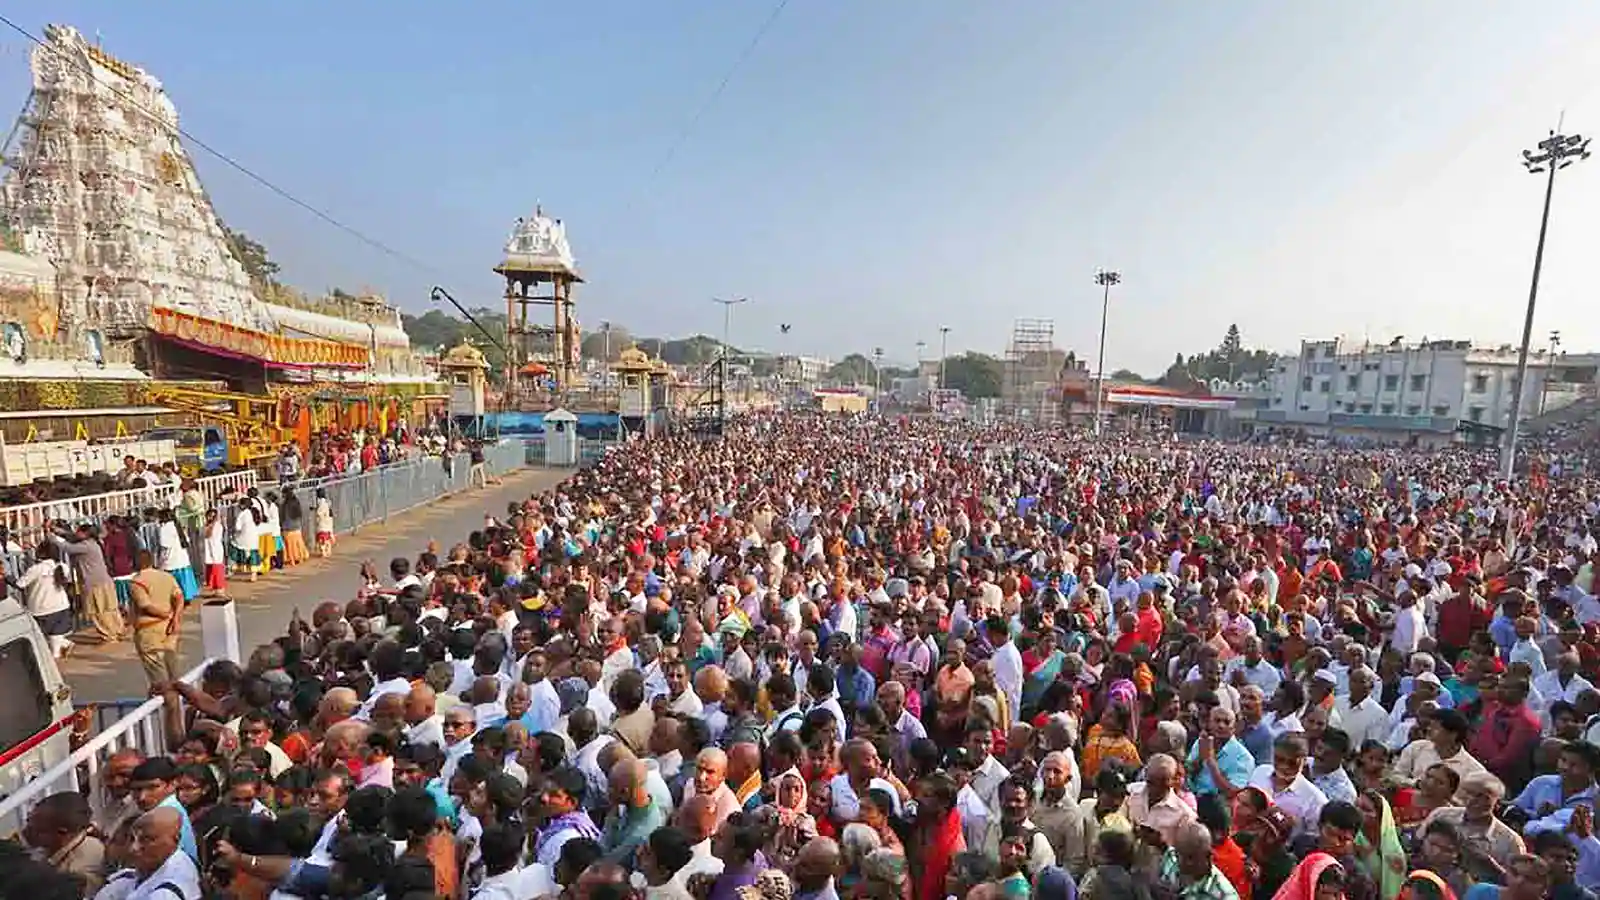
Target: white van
<point>36,715</point>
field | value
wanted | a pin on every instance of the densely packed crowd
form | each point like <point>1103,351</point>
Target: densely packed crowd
<point>911,660</point>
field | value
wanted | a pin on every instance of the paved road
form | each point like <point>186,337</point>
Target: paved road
<point>113,673</point>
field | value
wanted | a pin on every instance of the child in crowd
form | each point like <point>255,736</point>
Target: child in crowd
<point>215,554</point>
<point>324,524</point>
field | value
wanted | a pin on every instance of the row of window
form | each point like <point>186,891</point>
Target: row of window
<point>1480,383</point>
<point>1474,413</point>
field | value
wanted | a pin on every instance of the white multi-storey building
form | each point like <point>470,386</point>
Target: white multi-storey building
<point>804,369</point>
<point>1431,392</point>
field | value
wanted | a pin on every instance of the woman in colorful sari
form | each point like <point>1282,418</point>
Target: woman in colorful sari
<point>1317,877</point>
<point>1041,664</point>
<point>1378,845</point>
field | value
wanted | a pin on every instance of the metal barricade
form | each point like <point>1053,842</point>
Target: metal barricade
<point>26,524</point>
<point>213,486</point>
<point>140,728</point>
<point>355,500</point>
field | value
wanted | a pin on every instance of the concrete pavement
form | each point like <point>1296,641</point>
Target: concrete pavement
<point>98,673</point>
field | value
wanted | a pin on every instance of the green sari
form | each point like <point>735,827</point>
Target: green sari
<point>1386,863</point>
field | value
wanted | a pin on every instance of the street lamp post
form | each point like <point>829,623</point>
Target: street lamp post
<point>944,336</point>
<point>1556,152</point>
<point>877,377</point>
<point>727,322</point>
<point>1105,279</point>
<point>1549,369</point>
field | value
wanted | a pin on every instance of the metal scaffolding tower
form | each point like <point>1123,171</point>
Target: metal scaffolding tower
<point>1032,363</point>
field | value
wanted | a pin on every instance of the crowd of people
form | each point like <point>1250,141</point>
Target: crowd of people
<point>908,660</point>
<point>131,573</point>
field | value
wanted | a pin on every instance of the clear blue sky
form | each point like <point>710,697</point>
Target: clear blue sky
<point>881,167</point>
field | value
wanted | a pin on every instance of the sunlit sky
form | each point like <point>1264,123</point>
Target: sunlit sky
<point>879,168</point>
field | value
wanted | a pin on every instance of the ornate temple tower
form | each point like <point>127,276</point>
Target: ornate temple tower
<point>539,271</point>
<point>98,183</point>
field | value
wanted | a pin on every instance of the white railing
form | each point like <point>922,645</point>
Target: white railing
<point>141,729</point>
<point>26,523</point>
<point>212,486</point>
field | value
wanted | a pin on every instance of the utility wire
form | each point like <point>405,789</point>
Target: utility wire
<point>227,160</point>
<point>716,94</point>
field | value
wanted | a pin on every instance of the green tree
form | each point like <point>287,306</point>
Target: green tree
<point>1232,346</point>
<point>975,375</point>
<point>853,369</point>
<point>1127,375</point>
<point>252,256</point>
<point>435,328</point>
<point>597,345</point>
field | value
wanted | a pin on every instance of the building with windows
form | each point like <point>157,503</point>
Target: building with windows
<point>804,369</point>
<point>1433,392</point>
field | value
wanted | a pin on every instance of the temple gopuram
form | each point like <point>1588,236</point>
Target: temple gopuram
<point>122,301</point>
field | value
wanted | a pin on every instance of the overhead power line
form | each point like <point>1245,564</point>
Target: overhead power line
<point>716,94</point>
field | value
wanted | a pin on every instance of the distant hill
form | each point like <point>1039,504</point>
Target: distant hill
<point>436,328</point>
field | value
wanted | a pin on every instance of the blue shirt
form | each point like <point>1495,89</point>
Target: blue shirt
<point>1235,761</point>
<point>1504,632</point>
<point>857,687</point>
<point>1547,789</point>
<point>1258,741</point>
<point>1588,874</point>
<point>186,836</point>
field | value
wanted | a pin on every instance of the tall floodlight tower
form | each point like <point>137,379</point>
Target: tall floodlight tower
<point>1105,279</point>
<point>1555,153</point>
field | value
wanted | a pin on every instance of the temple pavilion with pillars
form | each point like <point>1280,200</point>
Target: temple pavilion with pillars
<point>539,270</point>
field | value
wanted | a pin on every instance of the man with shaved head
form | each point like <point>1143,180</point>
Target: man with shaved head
<point>711,781</point>
<point>337,704</point>
<point>424,725</point>
<point>815,868</point>
<point>697,818</point>
<point>634,812</point>
<point>744,773</point>
<point>158,867</point>
<point>1188,870</point>
<point>602,881</point>
<point>1056,811</point>
<point>1154,803</point>
<point>342,743</point>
